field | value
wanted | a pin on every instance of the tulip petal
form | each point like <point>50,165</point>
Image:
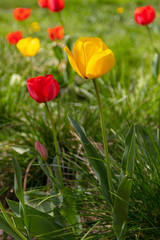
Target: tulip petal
<point>100,44</point>
<point>72,60</point>
<point>100,63</point>
<point>33,47</point>
<point>92,46</point>
<point>79,56</point>
<point>23,44</point>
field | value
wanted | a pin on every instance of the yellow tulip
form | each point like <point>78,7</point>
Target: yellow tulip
<point>120,10</point>
<point>29,46</point>
<point>91,58</point>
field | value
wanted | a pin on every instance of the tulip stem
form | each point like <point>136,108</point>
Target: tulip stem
<point>104,137</point>
<point>150,36</point>
<point>55,143</point>
<point>61,19</point>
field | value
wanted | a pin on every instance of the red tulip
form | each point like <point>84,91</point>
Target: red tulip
<point>14,37</point>
<point>43,89</point>
<point>21,14</point>
<point>56,5</point>
<point>43,3</point>
<point>56,33</point>
<point>41,150</point>
<point>144,15</point>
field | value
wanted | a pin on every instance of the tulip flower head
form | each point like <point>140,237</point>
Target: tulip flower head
<point>14,37</point>
<point>29,46</point>
<point>56,5</point>
<point>43,89</point>
<point>144,15</point>
<point>21,14</point>
<point>43,3</point>
<point>41,150</point>
<point>91,58</point>
<point>56,33</point>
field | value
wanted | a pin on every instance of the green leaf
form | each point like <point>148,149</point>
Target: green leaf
<point>7,228</point>
<point>68,210</point>
<point>41,225</point>
<point>18,180</point>
<point>49,173</point>
<point>20,149</point>
<point>95,158</point>
<point>120,209</point>
<point>121,202</point>
<point>129,153</point>
<point>10,223</point>
<point>19,191</point>
<point>32,211</point>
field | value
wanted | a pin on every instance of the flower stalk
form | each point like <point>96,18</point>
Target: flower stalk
<point>104,137</point>
<point>150,37</point>
<point>55,144</point>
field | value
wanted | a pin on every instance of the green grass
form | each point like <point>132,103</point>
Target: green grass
<point>129,94</point>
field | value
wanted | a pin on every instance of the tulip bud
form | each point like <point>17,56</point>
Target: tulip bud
<point>41,150</point>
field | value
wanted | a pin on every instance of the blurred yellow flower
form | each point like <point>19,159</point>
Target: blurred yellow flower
<point>35,26</point>
<point>29,46</point>
<point>120,10</point>
<point>91,58</point>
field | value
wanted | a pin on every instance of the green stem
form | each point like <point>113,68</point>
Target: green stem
<point>61,19</point>
<point>104,138</point>
<point>150,37</point>
<point>55,144</point>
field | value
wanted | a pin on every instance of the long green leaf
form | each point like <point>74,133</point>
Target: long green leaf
<point>8,225</point>
<point>121,205</point>
<point>95,158</point>
<point>129,153</point>
<point>7,228</point>
<point>18,180</point>
<point>19,191</point>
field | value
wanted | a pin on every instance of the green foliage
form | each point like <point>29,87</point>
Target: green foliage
<point>95,158</point>
<point>121,203</point>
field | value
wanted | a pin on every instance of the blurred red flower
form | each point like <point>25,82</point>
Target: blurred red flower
<point>56,33</point>
<point>56,5</point>
<point>21,14</point>
<point>14,37</point>
<point>43,3</point>
<point>43,89</point>
<point>41,150</point>
<point>144,15</point>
